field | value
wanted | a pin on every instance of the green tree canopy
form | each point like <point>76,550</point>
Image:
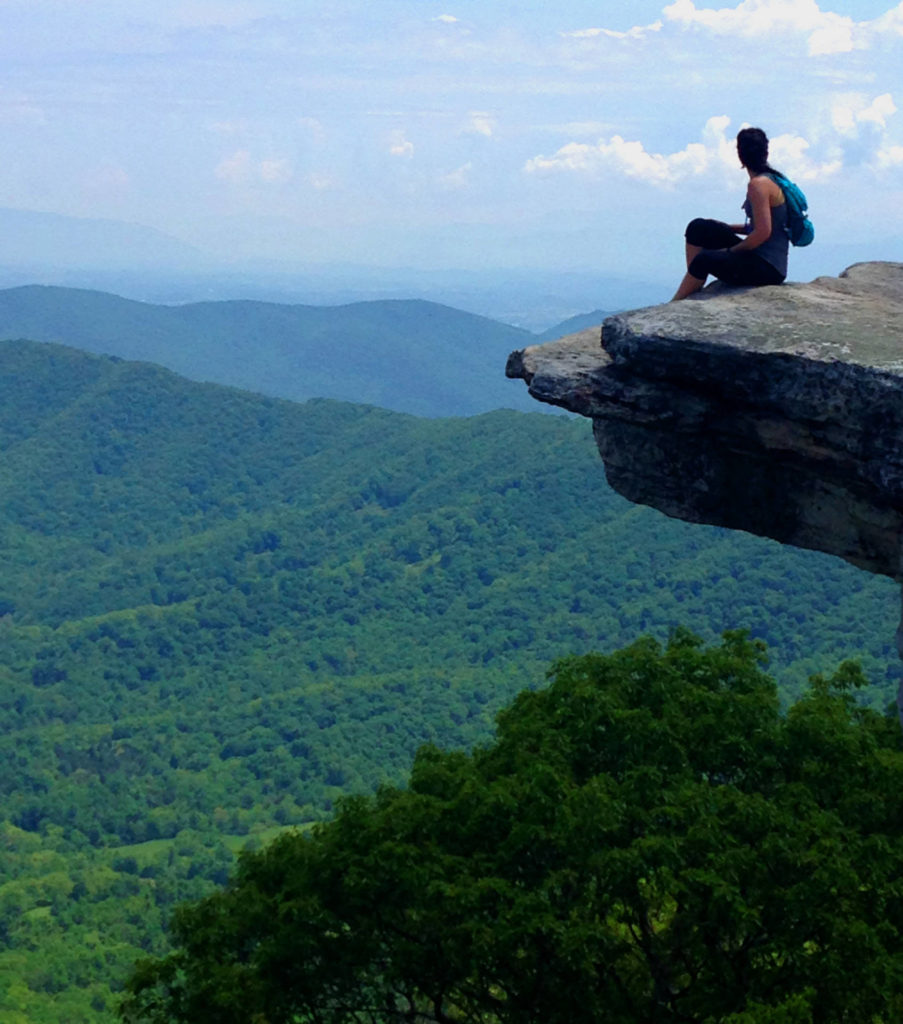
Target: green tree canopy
<point>648,839</point>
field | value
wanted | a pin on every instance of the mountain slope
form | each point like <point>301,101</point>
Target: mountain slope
<point>31,238</point>
<point>406,355</point>
<point>221,612</point>
<point>163,540</point>
<point>570,326</point>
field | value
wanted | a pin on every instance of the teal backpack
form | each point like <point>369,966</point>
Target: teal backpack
<point>799,228</point>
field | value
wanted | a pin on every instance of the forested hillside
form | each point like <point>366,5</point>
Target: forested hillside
<point>408,355</point>
<point>648,839</point>
<point>221,611</point>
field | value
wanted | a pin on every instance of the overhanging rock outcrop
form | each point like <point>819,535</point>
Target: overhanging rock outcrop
<point>773,410</point>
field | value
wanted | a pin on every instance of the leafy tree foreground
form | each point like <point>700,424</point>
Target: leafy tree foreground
<point>648,839</point>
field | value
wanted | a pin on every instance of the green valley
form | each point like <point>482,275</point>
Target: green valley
<point>220,612</point>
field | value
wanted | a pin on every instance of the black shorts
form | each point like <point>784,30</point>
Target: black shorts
<point>736,268</point>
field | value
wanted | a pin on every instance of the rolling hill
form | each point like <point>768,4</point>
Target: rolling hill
<point>406,355</point>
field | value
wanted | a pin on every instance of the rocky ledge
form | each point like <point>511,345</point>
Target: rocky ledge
<point>773,410</point>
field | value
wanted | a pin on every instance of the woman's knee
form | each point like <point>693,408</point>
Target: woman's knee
<point>705,233</point>
<point>696,231</point>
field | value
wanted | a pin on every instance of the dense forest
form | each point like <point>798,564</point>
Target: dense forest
<point>220,612</point>
<point>647,839</point>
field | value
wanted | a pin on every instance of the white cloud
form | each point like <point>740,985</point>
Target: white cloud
<point>892,21</point>
<point>631,158</point>
<point>400,146</point>
<point>234,169</point>
<point>825,32</point>
<point>275,172</point>
<point>314,127</point>
<point>723,148</point>
<point>878,111</point>
<point>628,157</point>
<point>716,154</point>
<point>457,179</point>
<point>448,19</point>
<point>843,113</point>
<point>789,153</point>
<point>241,169</point>
<point>861,125</point>
<point>837,37</point>
<point>481,124</point>
<point>321,182</point>
<point>637,32</point>
<point>889,157</point>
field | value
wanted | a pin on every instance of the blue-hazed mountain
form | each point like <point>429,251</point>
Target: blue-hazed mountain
<point>573,324</point>
<point>33,238</point>
<point>405,355</point>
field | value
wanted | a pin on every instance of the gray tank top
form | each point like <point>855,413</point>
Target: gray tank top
<point>774,249</point>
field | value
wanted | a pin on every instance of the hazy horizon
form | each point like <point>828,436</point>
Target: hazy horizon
<point>577,137</point>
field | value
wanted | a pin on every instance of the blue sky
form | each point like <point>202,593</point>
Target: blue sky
<point>452,133</point>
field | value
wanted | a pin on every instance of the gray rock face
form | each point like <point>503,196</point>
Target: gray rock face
<point>773,410</point>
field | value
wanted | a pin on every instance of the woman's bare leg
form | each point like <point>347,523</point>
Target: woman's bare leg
<point>688,286</point>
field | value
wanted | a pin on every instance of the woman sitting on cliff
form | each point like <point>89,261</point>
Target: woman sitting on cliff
<point>716,248</point>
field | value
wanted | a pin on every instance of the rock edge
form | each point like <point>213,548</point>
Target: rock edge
<point>774,410</point>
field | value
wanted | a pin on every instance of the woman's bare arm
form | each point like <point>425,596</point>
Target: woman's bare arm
<point>759,195</point>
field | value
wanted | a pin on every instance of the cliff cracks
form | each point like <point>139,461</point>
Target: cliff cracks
<point>773,410</point>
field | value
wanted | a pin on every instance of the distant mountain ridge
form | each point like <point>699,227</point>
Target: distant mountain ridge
<point>573,324</point>
<point>36,238</point>
<point>151,265</point>
<point>409,356</point>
